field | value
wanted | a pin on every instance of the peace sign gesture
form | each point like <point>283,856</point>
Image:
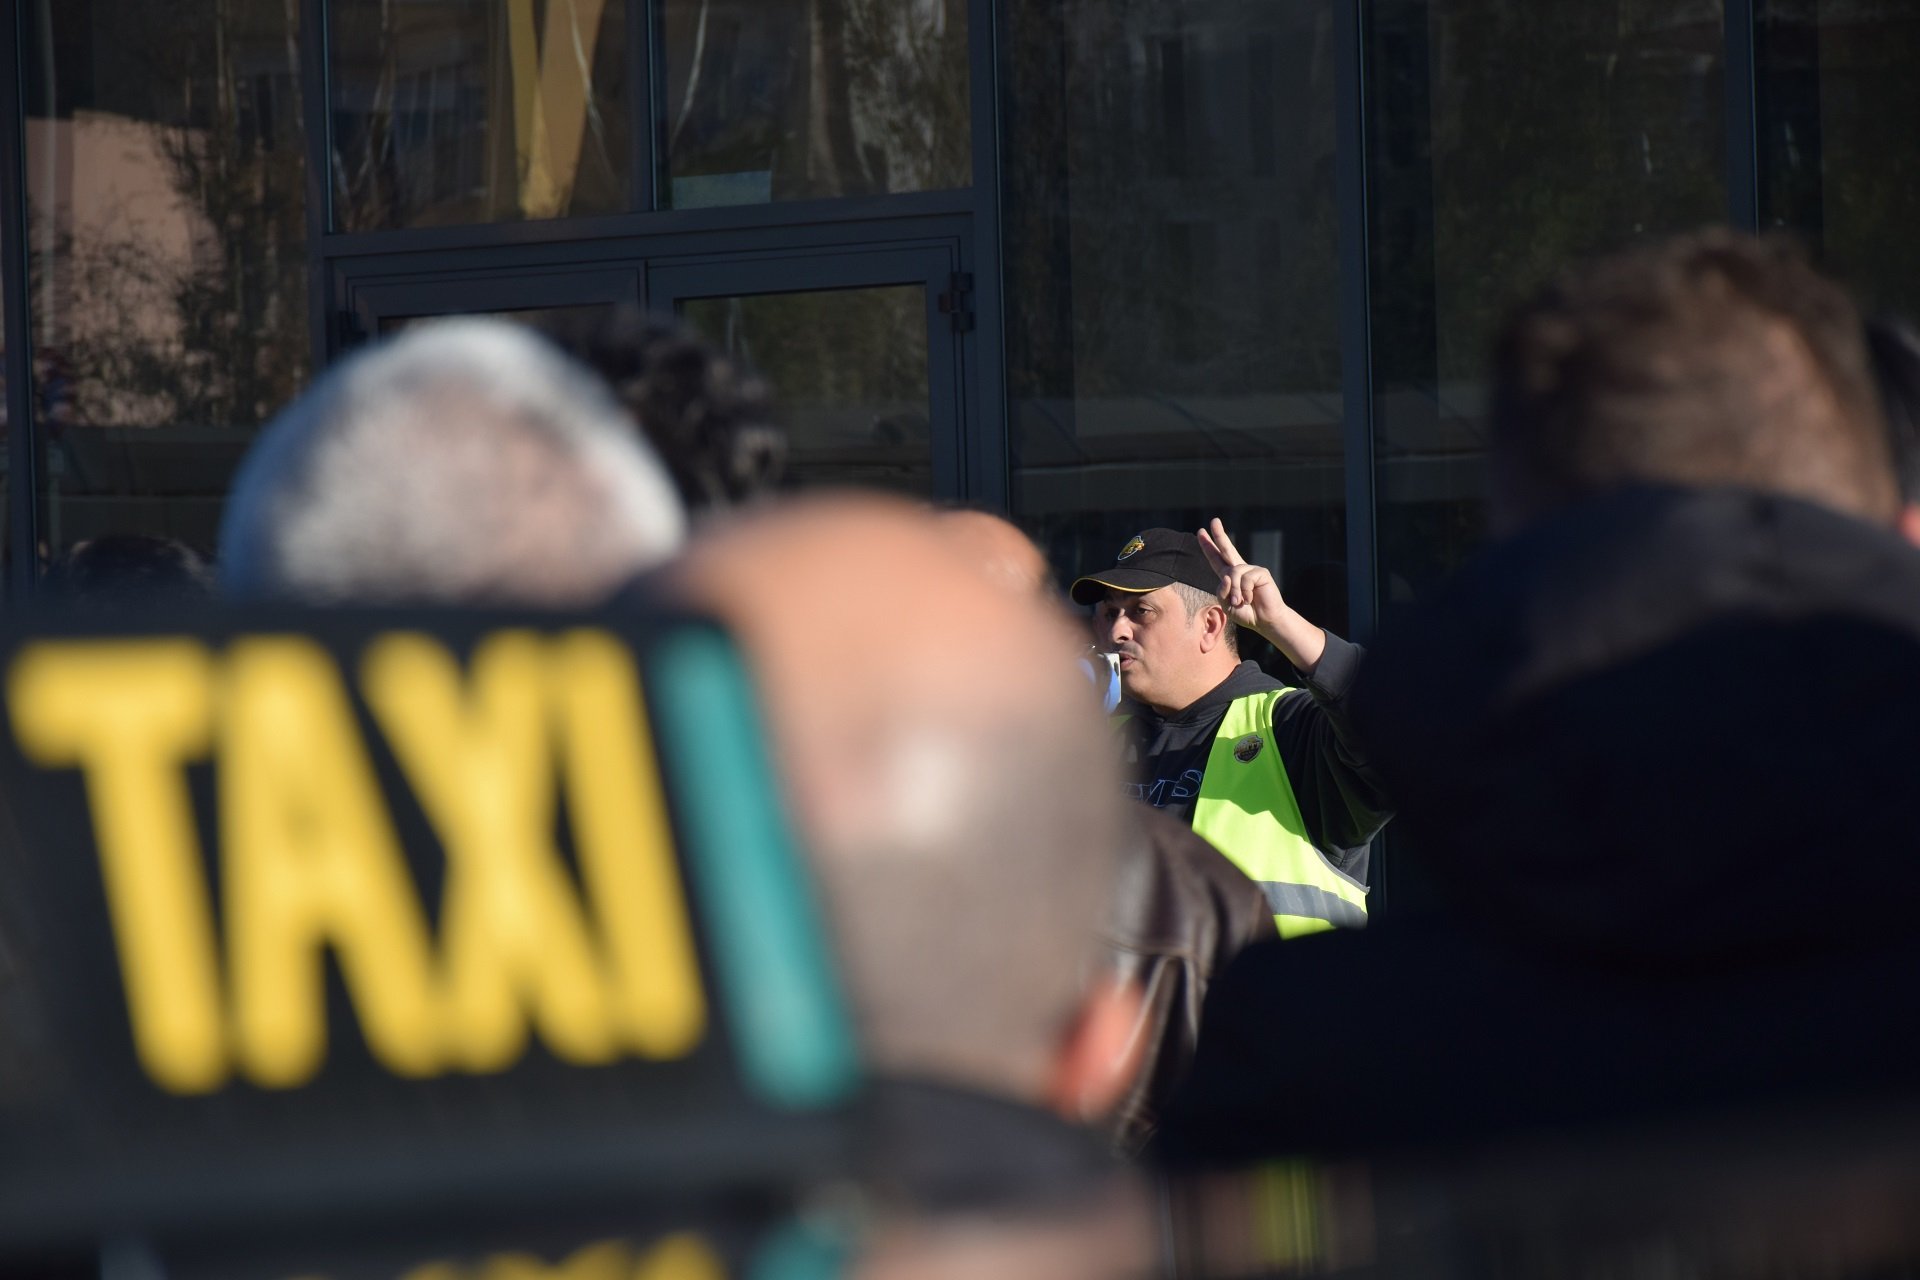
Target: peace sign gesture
<point>1248,590</point>
<point>1253,600</point>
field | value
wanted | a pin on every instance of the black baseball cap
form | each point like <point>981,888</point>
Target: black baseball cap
<point>1150,560</point>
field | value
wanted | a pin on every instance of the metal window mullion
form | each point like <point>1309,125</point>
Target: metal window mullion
<point>23,491</point>
<point>316,129</point>
<point>1743,116</point>
<point>984,435</point>
<point>645,89</point>
<point>1356,342</point>
<point>1356,320</point>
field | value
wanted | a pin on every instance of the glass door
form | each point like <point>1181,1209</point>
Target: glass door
<point>860,347</point>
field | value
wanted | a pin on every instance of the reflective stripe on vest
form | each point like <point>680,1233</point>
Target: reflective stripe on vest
<point>1246,809</point>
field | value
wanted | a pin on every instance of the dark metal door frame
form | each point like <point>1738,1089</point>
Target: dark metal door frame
<point>23,488</point>
<point>371,302</point>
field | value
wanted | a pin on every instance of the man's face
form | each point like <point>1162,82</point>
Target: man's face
<point>1155,640</point>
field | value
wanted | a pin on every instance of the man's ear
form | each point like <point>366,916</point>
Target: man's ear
<point>1101,1053</point>
<point>1908,523</point>
<point>1213,628</point>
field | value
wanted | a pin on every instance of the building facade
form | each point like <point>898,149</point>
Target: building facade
<point>1102,264</point>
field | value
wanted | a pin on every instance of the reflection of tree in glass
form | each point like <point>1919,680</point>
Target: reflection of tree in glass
<point>461,111</point>
<point>908,91</point>
<point>1172,221</point>
<point>845,347</point>
<point>820,98</point>
<point>209,329</point>
<point>1562,130</point>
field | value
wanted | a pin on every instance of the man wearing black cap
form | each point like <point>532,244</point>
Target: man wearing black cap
<point>1269,774</point>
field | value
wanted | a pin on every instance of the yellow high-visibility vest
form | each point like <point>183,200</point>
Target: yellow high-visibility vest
<point>1247,810</point>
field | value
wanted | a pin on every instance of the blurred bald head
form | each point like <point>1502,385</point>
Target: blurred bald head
<point>952,778</point>
<point>997,548</point>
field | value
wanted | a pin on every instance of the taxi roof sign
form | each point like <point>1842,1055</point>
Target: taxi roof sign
<point>352,901</point>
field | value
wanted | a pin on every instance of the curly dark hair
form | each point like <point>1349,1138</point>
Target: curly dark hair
<point>129,571</point>
<point>712,422</point>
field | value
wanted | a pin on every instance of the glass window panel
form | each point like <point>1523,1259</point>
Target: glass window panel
<point>460,111</point>
<point>805,99</point>
<point>1506,141</point>
<point>167,229</point>
<point>1838,98</point>
<point>1172,281</point>
<point>848,368</point>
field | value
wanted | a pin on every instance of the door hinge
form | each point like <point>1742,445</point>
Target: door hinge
<point>957,301</point>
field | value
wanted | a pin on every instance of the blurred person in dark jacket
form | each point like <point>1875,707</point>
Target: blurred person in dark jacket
<point>1654,745</point>
<point>1684,437</point>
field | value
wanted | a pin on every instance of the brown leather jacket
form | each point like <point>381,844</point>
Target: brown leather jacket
<point>1183,911</point>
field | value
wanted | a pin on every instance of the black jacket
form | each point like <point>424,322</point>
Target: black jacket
<point>1661,753</point>
<point>1668,725</point>
<point>1341,800</point>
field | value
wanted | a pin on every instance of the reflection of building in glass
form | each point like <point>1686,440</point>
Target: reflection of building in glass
<point>164,185</point>
<point>108,202</point>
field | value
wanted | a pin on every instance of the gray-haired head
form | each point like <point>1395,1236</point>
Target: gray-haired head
<point>465,461</point>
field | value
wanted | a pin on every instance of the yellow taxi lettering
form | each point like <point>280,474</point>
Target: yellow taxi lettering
<point>514,934</point>
<point>684,1256</point>
<point>130,716</point>
<point>625,845</point>
<point>432,1271</point>
<point>609,1260</point>
<point>310,858</point>
<point>681,1257</point>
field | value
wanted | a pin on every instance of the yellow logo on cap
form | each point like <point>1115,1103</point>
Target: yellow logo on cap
<point>1136,543</point>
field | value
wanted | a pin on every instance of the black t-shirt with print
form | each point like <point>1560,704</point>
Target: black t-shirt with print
<point>1340,797</point>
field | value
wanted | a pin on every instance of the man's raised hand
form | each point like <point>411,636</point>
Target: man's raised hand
<point>1253,600</point>
<point>1248,590</point>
